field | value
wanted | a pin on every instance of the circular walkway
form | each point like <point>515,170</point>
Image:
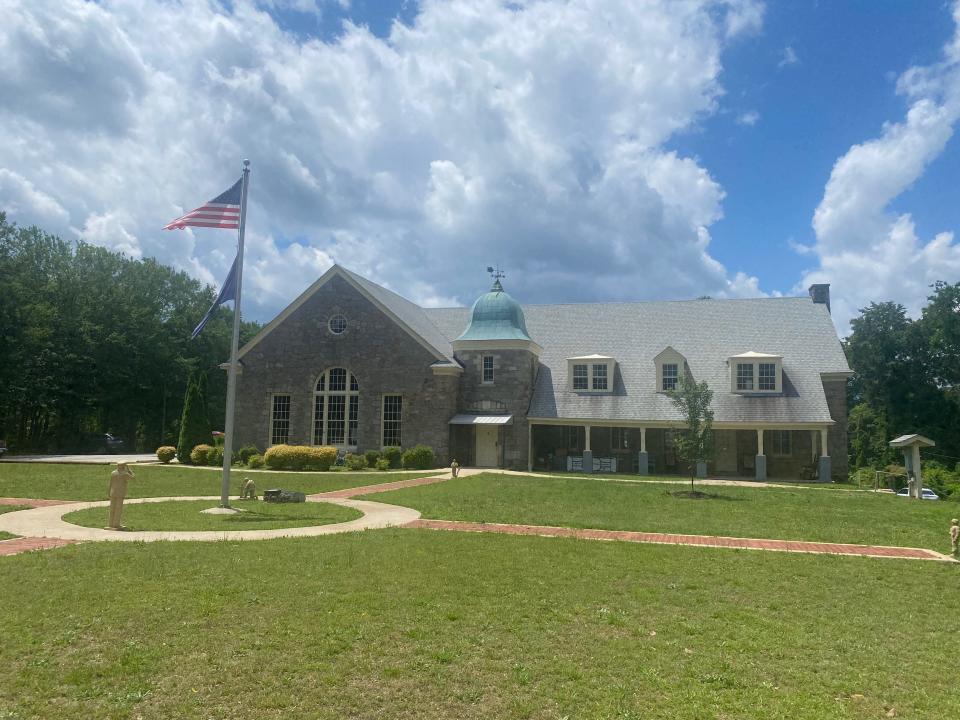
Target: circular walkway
<point>48,522</point>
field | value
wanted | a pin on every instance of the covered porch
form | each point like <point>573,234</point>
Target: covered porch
<point>797,454</point>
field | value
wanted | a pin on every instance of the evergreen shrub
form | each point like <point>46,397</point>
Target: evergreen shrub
<point>195,426</point>
<point>166,453</point>
<point>383,464</point>
<point>419,457</point>
<point>299,457</point>
<point>255,461</point>
<point>372,457</point>
<point>354,462</point>
<point>198,456</point>
<point>392,455</point>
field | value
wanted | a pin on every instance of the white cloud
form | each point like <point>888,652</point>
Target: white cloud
<point>867,252</point>
<point>789,57</point>
<point>748,118</point>
<point>530,134</point>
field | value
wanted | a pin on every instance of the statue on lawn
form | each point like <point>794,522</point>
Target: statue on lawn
<point>249,490</point>
<point>954,535</point>
<point>118,492</point>
<point>454,468</point>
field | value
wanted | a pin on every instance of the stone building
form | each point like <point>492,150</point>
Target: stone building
<point>579,387</point>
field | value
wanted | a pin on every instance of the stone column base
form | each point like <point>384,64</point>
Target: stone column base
<point>643,463</point>
<point>824,471</point>
<point>587,461</point>
<point>701,469</point>
<point>761,467</point>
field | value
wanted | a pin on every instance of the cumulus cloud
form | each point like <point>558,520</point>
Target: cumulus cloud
<point>527,134</point>
<point>748,118</point>
<point>865,250</point>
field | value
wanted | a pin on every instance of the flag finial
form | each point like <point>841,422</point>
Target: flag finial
<point>246,163</point>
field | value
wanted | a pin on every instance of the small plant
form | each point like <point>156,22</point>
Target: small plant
<point>166,453</point>
<point>255,461</point>
<point>695,443</point>
<point>392,455</point>
<point>215,456</point>
<point>354,462</point>
<point>372,456</point>
<point>383,464</point>
<point>419,457</point>
<point>244,454</point>
<point>299,457</point>
<point>198,456</point>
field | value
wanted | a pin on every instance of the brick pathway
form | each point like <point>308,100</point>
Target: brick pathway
<point>26,544</point>
<point>671,539</point>
<point>382,487</point>
<point>32,502</point>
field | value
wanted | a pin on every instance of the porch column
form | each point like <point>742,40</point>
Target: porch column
<point>761,460</point>
<point>814,453</point>
<point>643,460</point>
<point>529,447</point>
<point>824,471</point>
<point>587,453</point>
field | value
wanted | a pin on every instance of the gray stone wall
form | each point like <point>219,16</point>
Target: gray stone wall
<point>383,357</point>
<point>837,448</point>
<point>514,376</point>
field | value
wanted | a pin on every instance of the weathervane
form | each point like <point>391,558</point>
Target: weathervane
<point>496,275</point>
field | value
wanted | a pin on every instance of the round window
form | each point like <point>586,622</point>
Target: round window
<point>337,324</point>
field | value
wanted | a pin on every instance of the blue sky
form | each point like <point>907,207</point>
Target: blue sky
<point>598,149</point>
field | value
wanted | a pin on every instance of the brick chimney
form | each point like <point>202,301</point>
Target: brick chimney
<point>820,292</point>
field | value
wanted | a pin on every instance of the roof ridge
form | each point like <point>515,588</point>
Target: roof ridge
<point>636,302</point>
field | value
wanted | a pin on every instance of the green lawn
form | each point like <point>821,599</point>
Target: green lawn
<point>632,477</point>
<point>186,515</point>
<point>795,514</point>
<point>89,482</point>
<point>6,509</point>
<point>420,624</point>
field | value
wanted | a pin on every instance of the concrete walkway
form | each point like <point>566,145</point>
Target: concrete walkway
<point>48,522</point>
<point>84,459</point>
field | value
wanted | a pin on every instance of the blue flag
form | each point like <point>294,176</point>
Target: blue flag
<point>227,293</point>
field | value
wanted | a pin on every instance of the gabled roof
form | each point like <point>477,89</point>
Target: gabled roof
<point>707,333</point>
<point>407,315</point>
<point>907,440</point>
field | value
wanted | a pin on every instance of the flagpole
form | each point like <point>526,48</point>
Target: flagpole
<point>234,348</point>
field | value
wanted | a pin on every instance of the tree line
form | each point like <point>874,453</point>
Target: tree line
<point>94,342</point>
<point>907,379</point>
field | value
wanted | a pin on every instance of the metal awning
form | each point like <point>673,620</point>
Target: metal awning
<point>466,419</point>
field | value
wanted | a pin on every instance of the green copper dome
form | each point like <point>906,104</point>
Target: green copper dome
<point>496,316</point>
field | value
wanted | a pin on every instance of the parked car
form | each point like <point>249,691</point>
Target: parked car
<point>3,448</point>
<point>101,444</point>
<point>925,494</point>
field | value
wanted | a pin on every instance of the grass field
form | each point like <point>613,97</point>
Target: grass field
<point>186,515</point>
<point>790,514</point>
<point>89,482</point>
<point>421,624</point>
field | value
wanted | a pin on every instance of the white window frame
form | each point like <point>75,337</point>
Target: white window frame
<point>274,419</point>
<point>483,369</point>
<point>674,376</point>
<point>597,367</point>
<point>585,377</point>
<point>669,356</point>
<point>776,443</point>
<point>755,363</point>
<point>351,410</point>
<point>384,421</point>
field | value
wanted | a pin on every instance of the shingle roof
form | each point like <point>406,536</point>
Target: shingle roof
<point>706,332</point>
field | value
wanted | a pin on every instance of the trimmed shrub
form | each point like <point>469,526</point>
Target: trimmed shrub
<point>392,455</point>
<point>354,462</point>
<point>255,461</point>
<point>166,453</point>
<point>383,464</point>
<point>372,457</point>
<point>299,457</point>
<point>215,456</point>
<point>246,452</point>
<point>419,457</point>
<point>194,423</point>
<point>198,456</point>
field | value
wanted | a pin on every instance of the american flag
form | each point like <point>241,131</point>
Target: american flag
<point>221,212</point>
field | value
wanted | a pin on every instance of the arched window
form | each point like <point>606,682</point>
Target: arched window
<point>336,407</point>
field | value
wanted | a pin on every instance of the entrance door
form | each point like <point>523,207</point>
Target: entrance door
<point>487,445</point>
<point>726,457</point>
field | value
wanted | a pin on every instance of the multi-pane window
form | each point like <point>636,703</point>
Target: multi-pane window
<point>744,376</point>
<point>488,369</point>
<point>336,408</point>
<point>619,439</point>
<point>573,437</point>
<point>580,377</point>
<point>280,420</point>
<point>767,376</point>
<point>600,377</point>
<point>671,374</point>
<point>392,412</point>
<point>781,442</point>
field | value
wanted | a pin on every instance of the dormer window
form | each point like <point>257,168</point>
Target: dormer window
<point>591,373</point>
<point>671,365</point>
<point>753,372</point>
